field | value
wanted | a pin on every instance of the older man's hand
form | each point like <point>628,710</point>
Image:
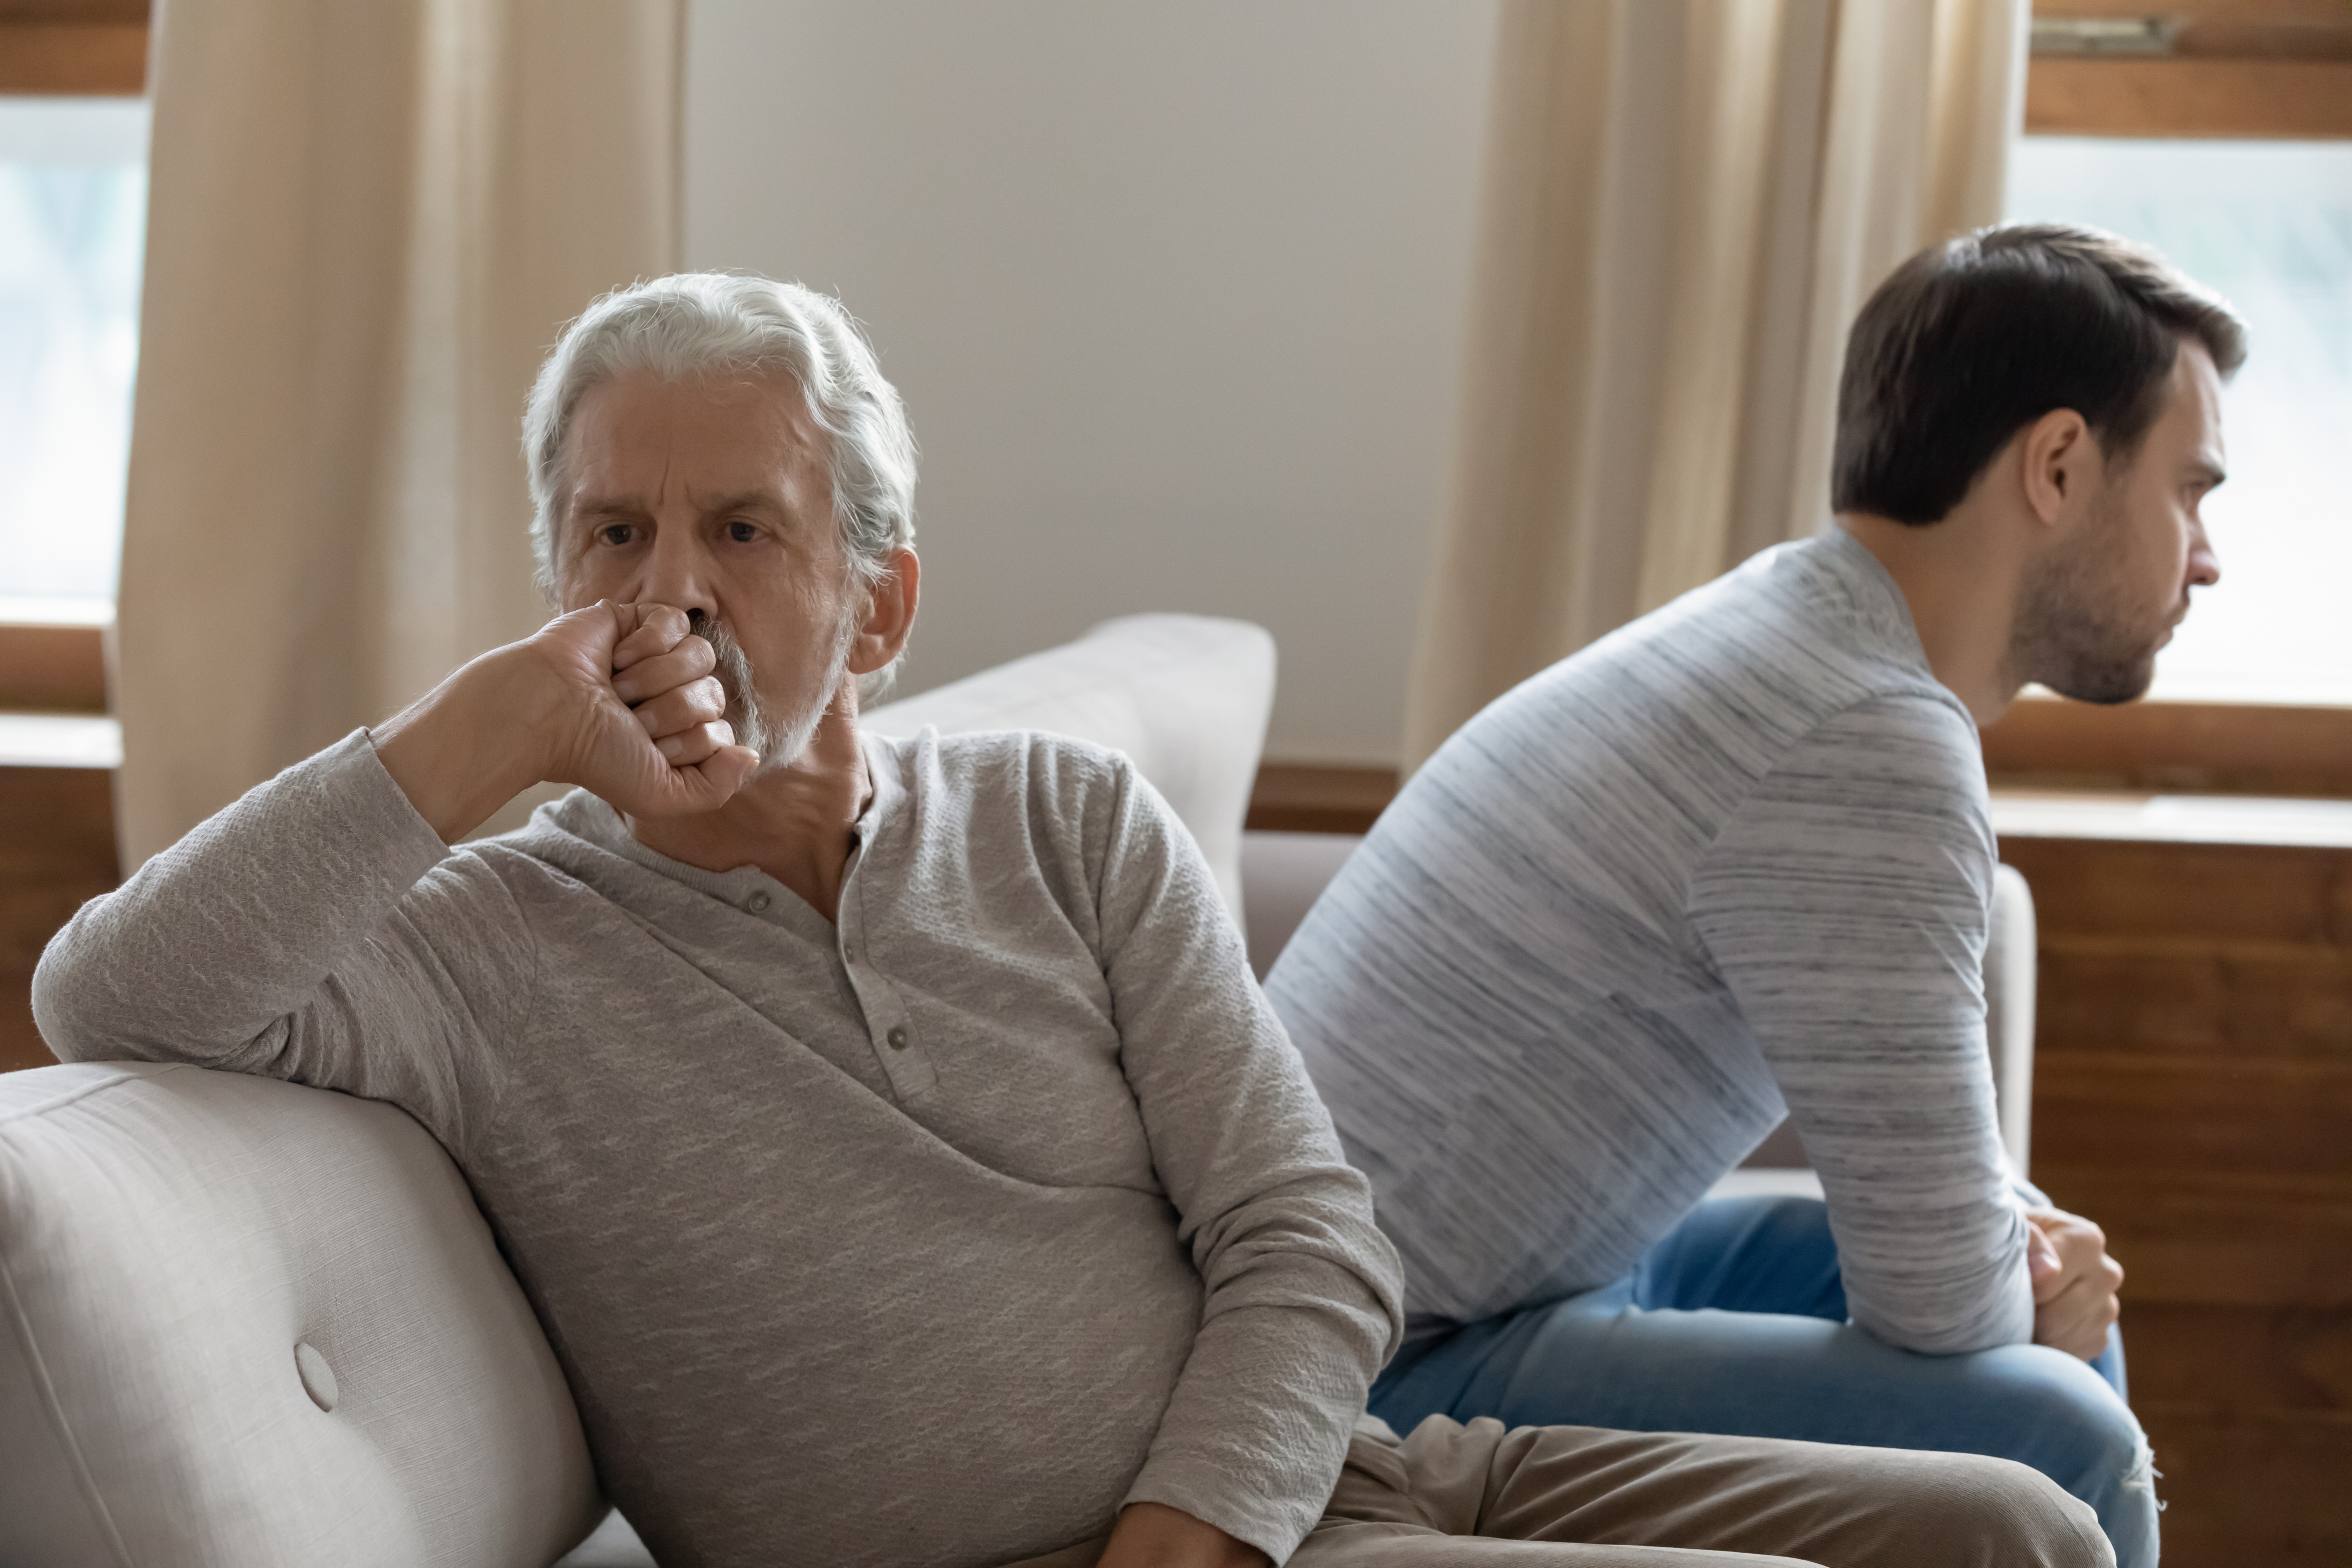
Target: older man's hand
<point>2075,1282</point>
<point>619,698</point>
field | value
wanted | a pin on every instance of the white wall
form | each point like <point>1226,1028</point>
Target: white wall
<point>1175,293</point>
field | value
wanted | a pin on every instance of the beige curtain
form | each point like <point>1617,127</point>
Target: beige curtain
<point>367,222</point>
<point>1685,202</point>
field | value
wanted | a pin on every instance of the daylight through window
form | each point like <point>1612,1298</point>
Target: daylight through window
<point>2268,223</point>
<point>73,207</point>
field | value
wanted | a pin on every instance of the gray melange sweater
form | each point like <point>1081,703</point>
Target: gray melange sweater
<point>1735,855</point>
<point>932,1238</point>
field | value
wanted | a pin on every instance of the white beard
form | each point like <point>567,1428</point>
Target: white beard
<point>778,740</point>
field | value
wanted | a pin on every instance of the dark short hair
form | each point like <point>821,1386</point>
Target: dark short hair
<point>1973,339</point>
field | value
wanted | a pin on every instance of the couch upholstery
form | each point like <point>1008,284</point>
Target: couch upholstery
<point>171,1241</point>
<point>248,1325</point>
<point>1185,695</point>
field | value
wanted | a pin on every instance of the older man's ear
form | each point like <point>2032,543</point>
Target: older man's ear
<point>889,617</point>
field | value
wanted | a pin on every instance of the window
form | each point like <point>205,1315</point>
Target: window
<point>2269,224</point>
<point>2219,130</point>
<point>72,228</point>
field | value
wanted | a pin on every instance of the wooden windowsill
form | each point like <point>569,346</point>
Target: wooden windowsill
<point>53,655</point>
<point>59,741</point>
<point>2116,817</point>
<point>2154,771</point>
<point>2159,747</point>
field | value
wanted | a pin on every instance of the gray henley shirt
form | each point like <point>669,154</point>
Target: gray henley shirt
<point>932,1238</point>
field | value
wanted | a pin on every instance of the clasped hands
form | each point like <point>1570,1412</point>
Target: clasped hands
<point>621,700</point>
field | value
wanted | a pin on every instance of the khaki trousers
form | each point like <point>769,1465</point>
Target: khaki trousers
<point>1576,1497</point>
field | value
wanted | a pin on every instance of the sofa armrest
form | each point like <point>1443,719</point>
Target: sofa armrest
<point>2011,978</point>
<point>248,1323</point>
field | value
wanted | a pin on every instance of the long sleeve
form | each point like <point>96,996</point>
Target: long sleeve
<point>1303,1299</point>
<point>316,930</point>
<point>1846,904</point>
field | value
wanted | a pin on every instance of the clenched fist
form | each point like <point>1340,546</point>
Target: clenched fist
<point>2075,1282</point>
<point>620,700</point>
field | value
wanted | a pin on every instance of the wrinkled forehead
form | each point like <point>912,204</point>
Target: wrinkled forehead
<point>658,442</point>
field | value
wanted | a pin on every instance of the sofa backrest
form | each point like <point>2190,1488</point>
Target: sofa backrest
<point>1186,697</point>
<point>246,1324</point>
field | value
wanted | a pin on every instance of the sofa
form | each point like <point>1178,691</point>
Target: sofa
<point>249,1325</point>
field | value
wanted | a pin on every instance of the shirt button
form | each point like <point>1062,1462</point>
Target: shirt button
<point>897,1038</point>
<point>757,903</point>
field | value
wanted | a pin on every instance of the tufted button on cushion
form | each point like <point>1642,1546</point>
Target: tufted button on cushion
<point>170,1238</point>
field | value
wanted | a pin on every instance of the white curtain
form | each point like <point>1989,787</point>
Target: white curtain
<point>1685,202</point>
<point>367,223</point>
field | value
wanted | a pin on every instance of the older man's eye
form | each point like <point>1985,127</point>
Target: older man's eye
<point>742,533</point>
<point>617,534</point>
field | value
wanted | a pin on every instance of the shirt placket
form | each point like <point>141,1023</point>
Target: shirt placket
<point>891,1028</point>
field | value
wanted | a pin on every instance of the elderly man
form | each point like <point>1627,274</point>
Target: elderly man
<point>889,1135</point>
<point>1735,858</point>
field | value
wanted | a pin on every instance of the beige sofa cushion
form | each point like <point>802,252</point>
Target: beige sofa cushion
<point>1185,697</point>
<point>171,1241</point>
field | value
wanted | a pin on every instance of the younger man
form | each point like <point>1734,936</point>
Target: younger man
<point>1735,859</point>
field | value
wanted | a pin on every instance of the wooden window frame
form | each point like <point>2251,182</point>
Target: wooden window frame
<point>2256,69</point>
<point>83,48</point>
<point>55,663</point>
<point>58,803</point>
<point>53,659</point>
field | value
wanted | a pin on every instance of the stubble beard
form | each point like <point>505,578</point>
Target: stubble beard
<point>778,740</point>
<point>2073,632</point>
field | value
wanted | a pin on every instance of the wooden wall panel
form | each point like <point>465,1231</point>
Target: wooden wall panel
<point>2194,1237</point>
<point>2194,1094</point>
<point>2261,1491</point>
<point>2158,1113</point>
<point>2231,1359</point>
<point>2190,998</point>
<point>57,850</point>
<point>2223,897</point>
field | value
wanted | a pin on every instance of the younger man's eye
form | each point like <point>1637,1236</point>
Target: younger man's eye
<point>742,533</point>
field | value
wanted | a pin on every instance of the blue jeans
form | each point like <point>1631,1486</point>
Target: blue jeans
<point>1735,1323</point>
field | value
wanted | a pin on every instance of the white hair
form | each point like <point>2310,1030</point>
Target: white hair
<point>693,325</point>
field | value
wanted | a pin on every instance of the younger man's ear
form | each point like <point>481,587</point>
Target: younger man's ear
<point>2059,454</point>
